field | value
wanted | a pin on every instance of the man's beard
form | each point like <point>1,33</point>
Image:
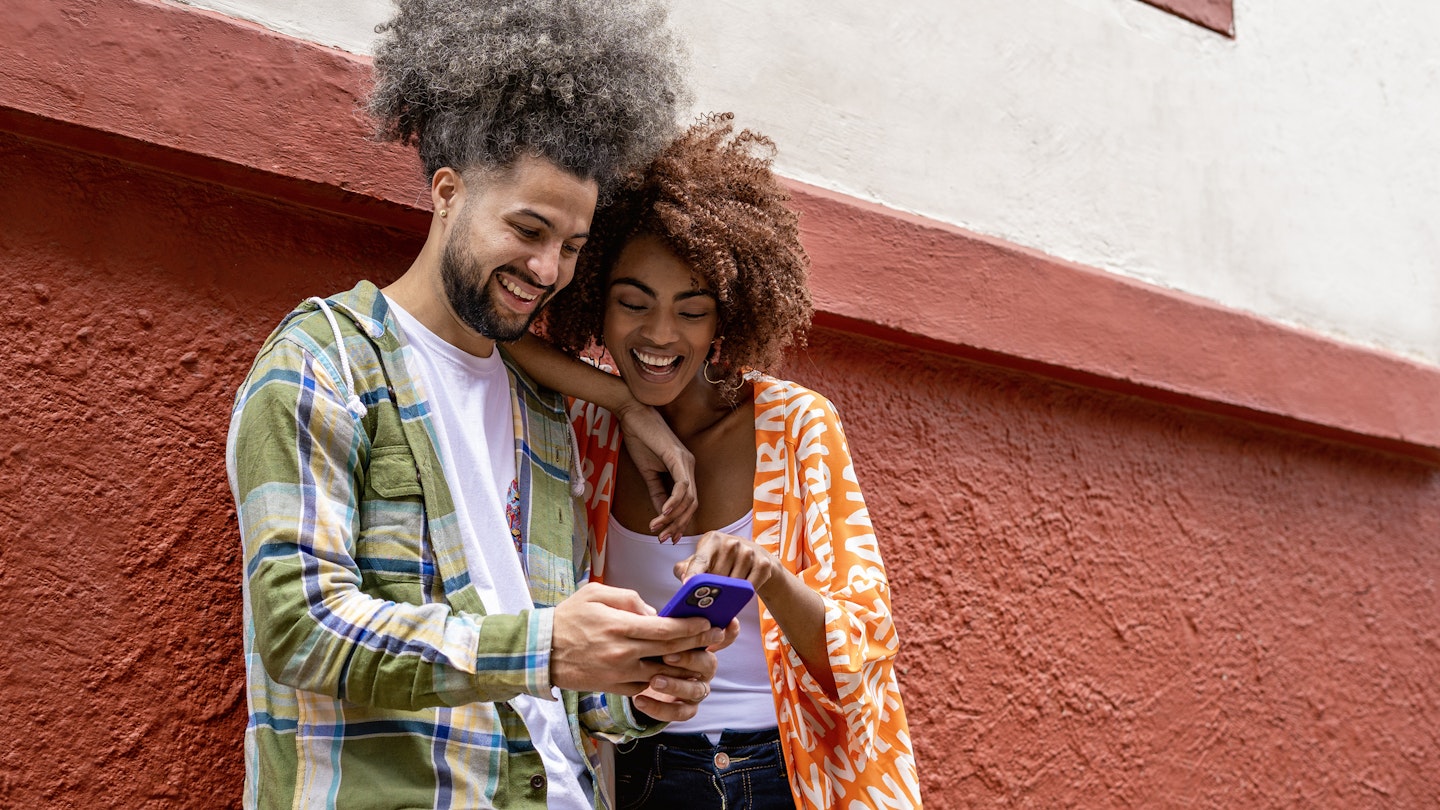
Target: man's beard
<point>477,308</point>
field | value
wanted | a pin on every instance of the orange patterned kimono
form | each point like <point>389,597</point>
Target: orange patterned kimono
<point>809,513</point>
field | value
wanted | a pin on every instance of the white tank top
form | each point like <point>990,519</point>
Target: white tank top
<point>740,697</point>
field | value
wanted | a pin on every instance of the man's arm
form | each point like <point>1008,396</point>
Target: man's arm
<point>294,454</point>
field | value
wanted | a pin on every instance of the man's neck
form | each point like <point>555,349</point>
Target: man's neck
<point>421,293</point>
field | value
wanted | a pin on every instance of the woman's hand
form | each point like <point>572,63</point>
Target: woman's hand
<point>732,556</point>
<point>659,456</point>
<point>798,610</point>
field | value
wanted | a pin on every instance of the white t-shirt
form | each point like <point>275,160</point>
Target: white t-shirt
<point>740,696</point>
<point>471,409</point>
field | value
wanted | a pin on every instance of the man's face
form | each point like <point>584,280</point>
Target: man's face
<point>513,244</point>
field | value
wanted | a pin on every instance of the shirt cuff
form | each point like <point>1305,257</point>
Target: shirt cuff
<point>642,724</point>
<point>542,634</point>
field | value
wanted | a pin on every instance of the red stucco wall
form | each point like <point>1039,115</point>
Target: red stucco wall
<point>1111,603</point>
<point>1106,602</point>
<point>131,305</point>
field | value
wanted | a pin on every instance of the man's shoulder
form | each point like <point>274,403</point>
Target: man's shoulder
<point>534,397</point>
<point>361,310</point>
<point>341,341</point>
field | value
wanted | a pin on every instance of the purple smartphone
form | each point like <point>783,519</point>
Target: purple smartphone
<point>715,597</point>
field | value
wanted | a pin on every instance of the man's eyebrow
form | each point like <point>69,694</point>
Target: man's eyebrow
<point>530,212</point>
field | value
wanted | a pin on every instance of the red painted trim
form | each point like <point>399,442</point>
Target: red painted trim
<point>915,281</point>
<point>199,93</point>
<point>225,101</point>
<point>1217,15</point>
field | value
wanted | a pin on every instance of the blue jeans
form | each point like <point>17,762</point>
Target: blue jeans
<point>744,771</point>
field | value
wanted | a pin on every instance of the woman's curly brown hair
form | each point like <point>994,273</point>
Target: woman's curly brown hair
<point>712,198</point>
<point>592,85</point>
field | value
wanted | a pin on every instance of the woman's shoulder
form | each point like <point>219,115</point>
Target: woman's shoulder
<point>789,400</point>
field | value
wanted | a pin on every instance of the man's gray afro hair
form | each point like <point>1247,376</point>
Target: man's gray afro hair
<point>593,85</point>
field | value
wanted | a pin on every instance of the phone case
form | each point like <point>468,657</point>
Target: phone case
<point>715,597</point>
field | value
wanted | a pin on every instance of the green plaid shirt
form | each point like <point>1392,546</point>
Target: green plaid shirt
<point>375,679</point>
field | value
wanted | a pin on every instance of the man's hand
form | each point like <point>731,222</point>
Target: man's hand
<point>608,640</point>
<point>658,454</point>
<point>672,700</point>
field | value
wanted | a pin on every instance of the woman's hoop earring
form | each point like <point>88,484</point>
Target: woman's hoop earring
<point>705,372</point>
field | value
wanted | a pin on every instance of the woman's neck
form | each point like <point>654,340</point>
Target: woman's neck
<point>698,408</point>
<point>722,438</point>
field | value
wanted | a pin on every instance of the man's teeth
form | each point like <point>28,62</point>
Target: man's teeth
<point>516,291</point>
<point>655,360</point>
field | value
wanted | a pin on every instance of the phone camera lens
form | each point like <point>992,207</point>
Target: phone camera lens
<point>706,601</point>
<point>704,590</point>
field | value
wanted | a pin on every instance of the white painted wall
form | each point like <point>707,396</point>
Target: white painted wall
<point>1292,172</point>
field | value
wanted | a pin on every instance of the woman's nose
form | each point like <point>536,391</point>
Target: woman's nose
<point>660,328</point>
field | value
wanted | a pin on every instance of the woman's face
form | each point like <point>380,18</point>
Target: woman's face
<point>659,321</point>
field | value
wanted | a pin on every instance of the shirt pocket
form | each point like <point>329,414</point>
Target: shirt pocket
<point>391,551</point>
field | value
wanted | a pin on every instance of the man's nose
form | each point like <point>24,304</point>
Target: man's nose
<point>545,265</point>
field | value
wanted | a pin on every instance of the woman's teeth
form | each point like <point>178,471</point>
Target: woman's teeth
<point>654,361</point>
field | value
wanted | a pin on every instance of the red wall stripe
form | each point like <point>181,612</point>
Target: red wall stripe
<point>225,101</point>
<point>1217,15</point>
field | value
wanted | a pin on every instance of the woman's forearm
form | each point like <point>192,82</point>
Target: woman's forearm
<point>653,447</point>
<point>800,612</point>
<point>556,370</point>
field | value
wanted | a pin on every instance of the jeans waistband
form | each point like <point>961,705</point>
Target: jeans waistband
<point>699,742</point>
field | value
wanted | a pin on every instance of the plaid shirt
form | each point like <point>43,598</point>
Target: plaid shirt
<point>375,679</point>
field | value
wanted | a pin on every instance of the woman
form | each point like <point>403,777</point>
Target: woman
<point>694,281</point>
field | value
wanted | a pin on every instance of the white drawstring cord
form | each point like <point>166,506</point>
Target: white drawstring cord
<point>353,404</point>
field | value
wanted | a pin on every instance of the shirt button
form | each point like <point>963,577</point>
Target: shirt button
<point>537,781</point>
<point>722,761</point>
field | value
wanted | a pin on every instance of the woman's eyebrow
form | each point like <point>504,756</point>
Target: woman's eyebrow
<point>645,288</point>
<point>636,284</point>
<point>695,294</point>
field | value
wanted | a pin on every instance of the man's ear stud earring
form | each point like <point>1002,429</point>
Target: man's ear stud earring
<point>443,212</point>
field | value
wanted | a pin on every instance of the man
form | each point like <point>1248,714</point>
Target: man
<point>414,632</point>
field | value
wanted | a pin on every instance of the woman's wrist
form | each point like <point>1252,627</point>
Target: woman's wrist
<point>622,403</point>
<point>782,589</point>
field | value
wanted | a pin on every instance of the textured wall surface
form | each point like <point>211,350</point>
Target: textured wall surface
<point>1105,602</point>
<point>1109,603</point>
<point>131,305</point>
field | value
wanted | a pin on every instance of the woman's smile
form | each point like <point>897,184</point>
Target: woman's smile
<point>660,318</point>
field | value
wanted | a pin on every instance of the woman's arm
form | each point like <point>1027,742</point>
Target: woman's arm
<point>652,445</point>
<point>559,371</point>
<point>798,610</point>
